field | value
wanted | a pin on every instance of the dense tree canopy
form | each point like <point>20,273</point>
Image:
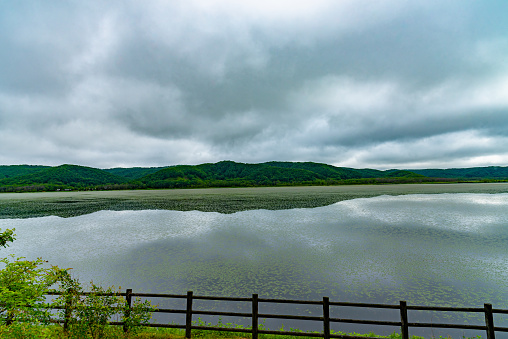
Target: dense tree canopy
<point>223,174</point>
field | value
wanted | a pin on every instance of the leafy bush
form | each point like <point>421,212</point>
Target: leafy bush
<point>7,236</point>
<point>87,316</point>
<point>23,284</point>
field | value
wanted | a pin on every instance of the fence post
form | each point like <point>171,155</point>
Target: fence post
<point>404,328</point>
<point>188,316</point>
<point>326,318</point>
<point>254,316</point>
<point>127,311</point>
<point>489,321</point>
<point>68,308</point>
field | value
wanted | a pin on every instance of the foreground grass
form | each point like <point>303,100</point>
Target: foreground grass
<point>23,330</point>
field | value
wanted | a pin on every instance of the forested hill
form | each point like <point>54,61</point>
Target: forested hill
<point>341,173</point>
<point>18,170</point>
<point>223,174</point>
<point>492,172</point>
<point>59,177</point>
<point>133,173</point>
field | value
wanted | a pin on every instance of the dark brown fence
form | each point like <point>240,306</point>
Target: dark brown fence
<point>325,319</point>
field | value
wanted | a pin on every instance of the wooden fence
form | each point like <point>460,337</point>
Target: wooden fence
<point>325,319</point>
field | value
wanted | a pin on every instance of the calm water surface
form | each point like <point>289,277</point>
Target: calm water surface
<point>440,250</point>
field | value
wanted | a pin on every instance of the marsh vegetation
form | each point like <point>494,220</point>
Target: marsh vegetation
<point>222,200</point>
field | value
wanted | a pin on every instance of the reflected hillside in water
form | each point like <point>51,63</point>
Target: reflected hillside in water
<point>221,200</point>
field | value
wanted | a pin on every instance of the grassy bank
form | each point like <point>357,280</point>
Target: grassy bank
<point>20,330</point>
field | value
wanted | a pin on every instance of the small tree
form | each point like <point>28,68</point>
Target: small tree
<point>22,285</point>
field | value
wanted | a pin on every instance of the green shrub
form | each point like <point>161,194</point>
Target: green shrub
<point>87,316</point>
<point>22,287</point>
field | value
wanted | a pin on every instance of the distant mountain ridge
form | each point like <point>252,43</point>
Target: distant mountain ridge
<point>224,174</point>
<point>491,172</point>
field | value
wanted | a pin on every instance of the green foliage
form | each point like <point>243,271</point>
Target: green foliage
<point>23,307</point>
<point>18,170</point>
<point>22,330</point>
<point>90,315</point>
<point>325,171</point>
<point>491,172</point>
<point>230,174</point>
<point>167,333</point>
<point>6,237</point>
<point>139,314</point>
<point>22,286</point>
<point>87,316</point>
<point>62,177</point>
<point>133,173</point>
<point>223,174</point>
<point>402,174</point>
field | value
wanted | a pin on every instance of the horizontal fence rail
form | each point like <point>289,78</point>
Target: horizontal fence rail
<point>325,319</point>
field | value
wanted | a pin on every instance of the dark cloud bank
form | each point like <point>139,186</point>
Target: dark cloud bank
<point>350,83</point>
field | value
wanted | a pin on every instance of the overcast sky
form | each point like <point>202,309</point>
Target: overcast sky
<point>356,83</point>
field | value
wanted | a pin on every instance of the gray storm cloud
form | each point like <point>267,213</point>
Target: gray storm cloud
<point>350,83</point>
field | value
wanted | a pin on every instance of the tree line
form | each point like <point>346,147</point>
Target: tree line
<point>26,178</point>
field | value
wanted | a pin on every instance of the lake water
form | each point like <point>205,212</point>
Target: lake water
<point>427,249</point>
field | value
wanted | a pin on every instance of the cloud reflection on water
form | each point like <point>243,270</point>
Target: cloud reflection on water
<point>430,249</point>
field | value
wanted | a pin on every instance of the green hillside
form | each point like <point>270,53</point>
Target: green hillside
<point>324,170</point>
<point>133,172</point>
<point>233,174</point>
<point>342,173</point>
<point>394,173</point>
<point>12,171</point>
<point>227,174</point>
<point>20,178</point>
<point>491,172</point>
<point>64,176</point>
